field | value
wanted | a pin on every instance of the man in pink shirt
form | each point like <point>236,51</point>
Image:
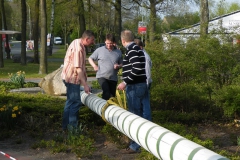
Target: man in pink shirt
<point>74,74</point>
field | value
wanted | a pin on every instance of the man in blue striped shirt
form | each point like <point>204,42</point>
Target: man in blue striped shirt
<point>134,81</point>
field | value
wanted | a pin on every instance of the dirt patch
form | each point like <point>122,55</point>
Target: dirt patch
<point>23,151</point>
<point>224,137</point>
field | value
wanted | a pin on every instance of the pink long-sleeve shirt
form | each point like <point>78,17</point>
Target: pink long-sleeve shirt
<point>75,58</point>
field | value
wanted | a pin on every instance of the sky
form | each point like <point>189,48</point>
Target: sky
<point>196,8</point>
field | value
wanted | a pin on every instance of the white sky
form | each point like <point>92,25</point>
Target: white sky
<point>195,8</point>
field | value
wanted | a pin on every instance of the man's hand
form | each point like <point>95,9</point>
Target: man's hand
<point>87,89</point>
<point>121,86</point>
<point>95,68</point>
<point>117,66</point>
<point>75,72</point>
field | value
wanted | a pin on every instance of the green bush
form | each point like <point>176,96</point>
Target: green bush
<point>96,85</point>
<point>4,86</point>
<point>186,76</point>
<point>30,84</point>
<point>228,98</point>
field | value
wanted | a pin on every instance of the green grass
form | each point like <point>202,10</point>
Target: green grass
<point>31,69</point>
<point>59,54</point>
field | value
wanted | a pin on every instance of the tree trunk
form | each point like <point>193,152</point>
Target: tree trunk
<point>1,52</point>
<point>36,31</point>
<point>204,18</point>
<point>1,47</point>
<point>89,14</point>
<point>50,46</point>
<point>6,43</point>
<point>118,16</point>
<point>153,19</point>
<point>24,28</point>
<point>82,23</point>
<point>43,54</point>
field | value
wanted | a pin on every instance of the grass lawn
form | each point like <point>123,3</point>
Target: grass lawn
<point>32,70</point>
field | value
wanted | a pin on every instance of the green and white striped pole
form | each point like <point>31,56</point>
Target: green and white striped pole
<point>159,141</point>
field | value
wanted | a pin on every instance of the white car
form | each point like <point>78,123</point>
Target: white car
<point>57,40</point>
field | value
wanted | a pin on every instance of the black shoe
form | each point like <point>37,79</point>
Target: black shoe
<point>129,151</point>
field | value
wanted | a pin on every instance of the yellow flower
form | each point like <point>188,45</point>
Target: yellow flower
<point>19,112</point>
<point>2,109</point>
<point>15,108</point>
<point>14,115</point>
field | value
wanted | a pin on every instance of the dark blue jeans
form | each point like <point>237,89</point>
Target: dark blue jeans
<point>72,105</point>
<point>138,102</point>
<point>108,88</point>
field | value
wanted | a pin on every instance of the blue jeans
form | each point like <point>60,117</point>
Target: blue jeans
<point>138,102</point>
<point>72,105</point>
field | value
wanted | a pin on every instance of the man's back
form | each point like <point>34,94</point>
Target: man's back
<point>134,65</point>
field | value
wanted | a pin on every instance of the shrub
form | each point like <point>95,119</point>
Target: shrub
<point>4,86</point>
<point>228,98</point>
<point>186,76</point>
<point>30,84</point>
<point>96,85</point>
<point>9,116</point>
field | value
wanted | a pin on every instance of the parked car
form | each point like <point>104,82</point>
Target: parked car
<point>97,45</point>
<point>57,40</point>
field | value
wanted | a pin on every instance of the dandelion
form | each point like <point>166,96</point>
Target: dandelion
<point>14,115</point>
<point>15,108</point>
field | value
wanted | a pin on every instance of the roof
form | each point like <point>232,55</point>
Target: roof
<point>230,22</point>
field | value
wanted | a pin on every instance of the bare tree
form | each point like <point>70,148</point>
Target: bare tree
<point>24,28</point>
<point>43,53</point>
<point>204,18</point>
<point>156,6</point>
<point>69,19</point>
<point>36,31</point>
